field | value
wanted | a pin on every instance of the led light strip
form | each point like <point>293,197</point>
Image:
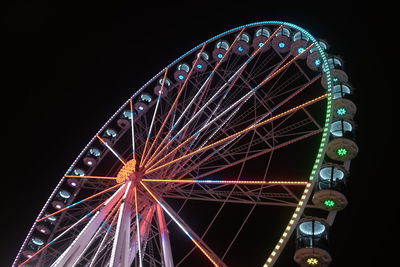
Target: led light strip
<point>112,150</point>
<point>248,182</point>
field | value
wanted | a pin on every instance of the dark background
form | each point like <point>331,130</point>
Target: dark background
<point>68,67</point>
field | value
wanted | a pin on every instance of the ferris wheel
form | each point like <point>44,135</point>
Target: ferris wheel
<point>249,133</point>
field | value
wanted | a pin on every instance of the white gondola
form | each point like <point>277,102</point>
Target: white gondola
<point>281,41</point>
<point>181,72</point>
<point>90,159</point>
<point>242,45</point>
<point>220,50</point>
<point>312,243</point>
<point>201,61</point>
<point>260,39</point>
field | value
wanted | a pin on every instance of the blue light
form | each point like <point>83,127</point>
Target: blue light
<point>260,44</point>
<point>317,62</point>
<point>281,45</point>
<point>300,50</point>
<point>199,66</point>
<point>240,49</point>
<point>181,77</point>
<point>220,55</point>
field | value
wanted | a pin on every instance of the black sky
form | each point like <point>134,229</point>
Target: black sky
<point>68,67</point>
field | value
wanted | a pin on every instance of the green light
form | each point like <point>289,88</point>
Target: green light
<point>341,111</point>
<point>329,203</point>
<point>312,261</point>
<point>342,151</point>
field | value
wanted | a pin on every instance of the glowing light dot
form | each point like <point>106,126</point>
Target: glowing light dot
<point>329,203</point>
<point>281,45</point>
<point>199,66</point>
<point>341,111</point>
<point>300,50</point>
<point>312,261</point>
<point>260,44</point>
<point>181,77</point>
<point>342,151</point>
<point>240,49</point>
<point>220,55</point>
<point>140,108</point>
<point>317,62</point>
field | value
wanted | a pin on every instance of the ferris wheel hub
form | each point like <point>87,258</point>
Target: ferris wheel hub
<point>129,172</point>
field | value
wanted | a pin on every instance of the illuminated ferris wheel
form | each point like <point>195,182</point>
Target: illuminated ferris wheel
<point>245,139</point>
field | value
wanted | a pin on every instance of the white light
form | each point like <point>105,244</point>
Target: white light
<point>307,228</point>
<point>58,206</point>
<point>90,163</point>
<point>73,184</point>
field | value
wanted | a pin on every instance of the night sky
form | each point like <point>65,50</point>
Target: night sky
<point>68,67</point>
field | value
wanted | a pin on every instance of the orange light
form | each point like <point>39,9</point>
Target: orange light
<point>112,150</point>
<point>126,171</point>
<point>90,177</point>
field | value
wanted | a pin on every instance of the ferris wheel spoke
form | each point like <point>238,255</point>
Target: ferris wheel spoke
<point>172,108</point>
<point>222,141</point>
<point>153,119</point>
<point>132,130</point>
<point>214,259</point>
<point>238,194</point>
<point>231,182</point>
<point>120,247</point>
<point>90,177</point>
<point>164,237</point>
<point>78,202</point>
<point>138,239</point>
<point>145,226</point>
<point>111,149</point>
